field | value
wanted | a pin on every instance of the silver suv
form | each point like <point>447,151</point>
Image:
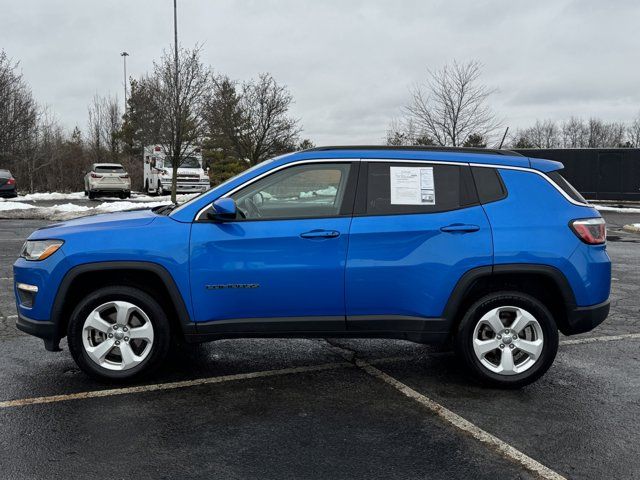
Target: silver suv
<point>107,179</point>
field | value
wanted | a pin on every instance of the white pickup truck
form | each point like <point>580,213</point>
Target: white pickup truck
<point>192,177</point>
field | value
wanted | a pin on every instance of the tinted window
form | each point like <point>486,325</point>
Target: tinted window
<point>566,186</point>
<point>397,188</point>
<point>489,184</point>
<point>297,192</point>
<point>109,169</point>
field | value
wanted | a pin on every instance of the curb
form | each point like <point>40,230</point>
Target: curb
<point>632,228</point>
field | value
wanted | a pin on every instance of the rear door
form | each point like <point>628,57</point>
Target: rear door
<point>417,228</point>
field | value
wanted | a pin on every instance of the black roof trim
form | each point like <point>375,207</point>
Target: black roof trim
<point>485,151</point>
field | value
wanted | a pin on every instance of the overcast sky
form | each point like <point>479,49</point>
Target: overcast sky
<point>348,63</point>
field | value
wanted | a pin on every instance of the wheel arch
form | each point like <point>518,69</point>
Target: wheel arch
<point>147,276</point>
<point>544,282</point>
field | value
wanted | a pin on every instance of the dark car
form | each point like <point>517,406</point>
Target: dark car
<point>7,184</point>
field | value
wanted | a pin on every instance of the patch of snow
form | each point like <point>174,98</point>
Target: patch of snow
<point>123,206</point>
<point>69,207</point>
<point>329,191</point>
<point>7,206</point>
<point>50,196</point>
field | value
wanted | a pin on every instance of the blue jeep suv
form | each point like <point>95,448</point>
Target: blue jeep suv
<point>491,250</point>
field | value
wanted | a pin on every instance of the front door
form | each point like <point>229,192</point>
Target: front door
<point>280,265</point>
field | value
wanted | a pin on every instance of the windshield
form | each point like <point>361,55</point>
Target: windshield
<point>226,182</point>
<point>190,162</point>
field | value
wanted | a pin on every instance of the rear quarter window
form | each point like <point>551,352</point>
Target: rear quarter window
<point>489,184</point>
<point>566,187</point>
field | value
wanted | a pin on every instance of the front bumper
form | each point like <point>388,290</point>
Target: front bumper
<point>186,187</point>
<point>43,329</point>
<point>585,319</point>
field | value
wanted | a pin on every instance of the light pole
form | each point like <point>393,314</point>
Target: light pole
<point>124,56</point>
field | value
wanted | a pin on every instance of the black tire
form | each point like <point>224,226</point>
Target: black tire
<point>91,195</point>
<point>157,316</point>
<point>465,333</point>
<point>160,191</point>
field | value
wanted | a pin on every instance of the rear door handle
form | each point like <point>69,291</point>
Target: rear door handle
<point>460,228</point>
<point>320,234</point>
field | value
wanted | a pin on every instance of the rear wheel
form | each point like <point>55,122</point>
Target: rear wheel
<point>507,339</point>
<point>92,195</point>
<point>118,333</point>
<point>160,190</point>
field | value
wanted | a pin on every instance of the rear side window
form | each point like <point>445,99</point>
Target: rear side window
<point>569,189</point>
<point>399,188</point>
<point>489,184</point>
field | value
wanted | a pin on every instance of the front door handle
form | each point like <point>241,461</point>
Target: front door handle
<point>460,228</point>
<point>320,234</point>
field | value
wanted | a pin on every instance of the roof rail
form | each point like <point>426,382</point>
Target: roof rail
<point>485,151</point>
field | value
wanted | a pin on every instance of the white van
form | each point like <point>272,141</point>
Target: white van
<point>192,177</point>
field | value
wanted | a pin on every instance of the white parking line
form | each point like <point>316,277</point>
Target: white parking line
<point>172,385</point>
<point>462,424</point>
<point>604,338</point>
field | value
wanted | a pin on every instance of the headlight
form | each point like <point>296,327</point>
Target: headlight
<point>40,249</point>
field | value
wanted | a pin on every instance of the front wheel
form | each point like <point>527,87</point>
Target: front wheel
<point>507,339</point>
<point>118,333</point>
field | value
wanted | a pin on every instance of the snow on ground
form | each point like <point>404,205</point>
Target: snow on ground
<point>29,206</point>
<point>7,205</point>
<point>67,211</point>
<point>48,196</point>
<point>605,208</point>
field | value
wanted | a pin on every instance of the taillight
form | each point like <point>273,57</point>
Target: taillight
<point>592,231</point>
<point>95,175</point>
<point>11,181</point>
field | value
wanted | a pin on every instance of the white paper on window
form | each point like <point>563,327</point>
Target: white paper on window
<point>412,186</point>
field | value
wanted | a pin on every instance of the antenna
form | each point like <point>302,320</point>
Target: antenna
<point>503,137</point>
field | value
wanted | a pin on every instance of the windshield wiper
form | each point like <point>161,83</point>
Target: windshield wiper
<point>164,209</point>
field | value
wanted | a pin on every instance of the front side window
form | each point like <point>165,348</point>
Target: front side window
<point>304,191</point>
<point>400,188</point>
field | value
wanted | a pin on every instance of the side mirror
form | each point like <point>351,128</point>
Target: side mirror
<point>223,209</point>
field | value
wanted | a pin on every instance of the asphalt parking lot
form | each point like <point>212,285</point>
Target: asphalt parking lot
<point>326,408</point>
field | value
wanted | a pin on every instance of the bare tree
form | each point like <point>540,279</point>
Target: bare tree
<point>405,133</point>
<point>603,134</point>
<point>452,105</point>
<point>633,132</point>
<point>252,120</point>
<point>18,111</point>
<point>105,124</point>
<point>574,133</point>
<point>177,90</point>
<point>42,151</point>
<point>543,134</point>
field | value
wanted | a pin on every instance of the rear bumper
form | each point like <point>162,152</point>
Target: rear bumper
<point>43,329</point>
<point>8,192</point>
<point>585,319</point>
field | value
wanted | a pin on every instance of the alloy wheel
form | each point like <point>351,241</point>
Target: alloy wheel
<point>117,335</point>
<point>508,340</point>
